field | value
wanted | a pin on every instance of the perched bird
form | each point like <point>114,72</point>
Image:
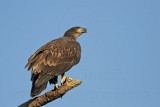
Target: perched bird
<point>54,59</point>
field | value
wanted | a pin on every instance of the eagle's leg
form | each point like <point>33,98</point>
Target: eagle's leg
<point>55,81</point>
<point>63,79</point>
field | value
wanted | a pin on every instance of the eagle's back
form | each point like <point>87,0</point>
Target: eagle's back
<point>54,58</point>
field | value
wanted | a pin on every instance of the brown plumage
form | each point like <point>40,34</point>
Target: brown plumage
<point>54,59</point>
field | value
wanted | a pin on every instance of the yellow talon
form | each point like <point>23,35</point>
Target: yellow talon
<point>56,86</point>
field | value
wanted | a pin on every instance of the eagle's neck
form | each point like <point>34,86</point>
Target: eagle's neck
<point>72,36</point>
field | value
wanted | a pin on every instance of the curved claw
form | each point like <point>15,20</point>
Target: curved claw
<point>69,79</point>
<point>56,87</point>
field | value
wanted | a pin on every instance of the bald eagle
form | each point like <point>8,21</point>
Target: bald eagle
<point>54,59</point>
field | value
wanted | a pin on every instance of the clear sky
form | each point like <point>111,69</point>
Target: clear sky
<point>120,64</point>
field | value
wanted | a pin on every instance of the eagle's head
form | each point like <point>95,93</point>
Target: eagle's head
<point>75,32</point>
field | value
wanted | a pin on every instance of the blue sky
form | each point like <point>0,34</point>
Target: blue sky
<point>120,64</point>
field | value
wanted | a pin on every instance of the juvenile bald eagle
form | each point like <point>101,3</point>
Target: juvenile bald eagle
<point>54,59</point>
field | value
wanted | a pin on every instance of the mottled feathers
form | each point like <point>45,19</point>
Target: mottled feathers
<point>54,59</point>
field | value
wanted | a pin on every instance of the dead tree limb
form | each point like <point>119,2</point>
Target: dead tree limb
<point>51,95</point>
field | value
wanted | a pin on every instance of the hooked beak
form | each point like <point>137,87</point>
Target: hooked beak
<point>84,30</point>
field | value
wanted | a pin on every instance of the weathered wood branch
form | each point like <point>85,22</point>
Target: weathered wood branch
<point>51,95</point>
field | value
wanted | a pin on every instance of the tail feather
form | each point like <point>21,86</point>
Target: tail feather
<point>37,90</point>
<point>42,79</point>
<point>39,83</point>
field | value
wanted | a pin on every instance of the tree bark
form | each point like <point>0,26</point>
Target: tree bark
<point>52,95</point>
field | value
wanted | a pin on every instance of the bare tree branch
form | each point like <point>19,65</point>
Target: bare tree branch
<point>51,95</point>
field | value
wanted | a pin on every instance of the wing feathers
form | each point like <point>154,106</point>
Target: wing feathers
<point>57,52</point>
<point>43,78</point>
<point>37,90</point>
<point>51,60</point>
